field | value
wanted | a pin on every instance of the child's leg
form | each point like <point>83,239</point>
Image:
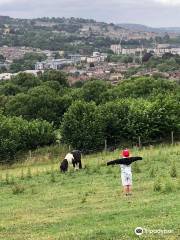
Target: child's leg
<point>125,190</point>
<point>129,189</point>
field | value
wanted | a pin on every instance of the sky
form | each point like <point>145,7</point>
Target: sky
<point>155,13</point>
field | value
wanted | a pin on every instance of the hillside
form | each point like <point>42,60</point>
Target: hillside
<point>144,28</point>
<point>57,33</point>
<point>39,203</point>
<point>69,34</point>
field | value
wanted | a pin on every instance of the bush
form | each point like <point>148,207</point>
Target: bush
<point>81,127</point>
<point>17,189</point>
<point>114,119</point>
<point>17,134</point>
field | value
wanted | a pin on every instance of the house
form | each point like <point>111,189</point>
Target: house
<point>53,64</point>
<point>116,48</point>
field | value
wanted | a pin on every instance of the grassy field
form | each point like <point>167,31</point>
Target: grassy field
<point>39,203</point>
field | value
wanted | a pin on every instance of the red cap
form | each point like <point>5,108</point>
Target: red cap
<point>125,153</point>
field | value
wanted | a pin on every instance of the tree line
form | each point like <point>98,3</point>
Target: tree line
<point>34,110</point>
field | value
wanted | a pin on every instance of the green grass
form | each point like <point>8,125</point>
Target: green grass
<point>39,203</point>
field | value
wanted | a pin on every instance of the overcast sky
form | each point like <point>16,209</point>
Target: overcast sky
<point>157,13</point>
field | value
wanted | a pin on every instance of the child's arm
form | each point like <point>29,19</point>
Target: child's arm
<point>126,161</point>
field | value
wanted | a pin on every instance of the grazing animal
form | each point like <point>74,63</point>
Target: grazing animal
<point>73,158</point>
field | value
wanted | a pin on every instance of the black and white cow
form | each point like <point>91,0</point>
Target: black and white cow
<point>73,158</point>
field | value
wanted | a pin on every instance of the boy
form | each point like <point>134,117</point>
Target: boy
<point>126,174</point>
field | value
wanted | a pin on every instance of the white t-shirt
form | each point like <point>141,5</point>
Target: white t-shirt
<point>69,157</point>
<point>125,168</point>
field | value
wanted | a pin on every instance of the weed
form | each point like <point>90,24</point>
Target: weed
<point>17,189</point>
<point>157,185</point>
<point>152,172</point>
<point>29,174</point>
<point>7,180</point>
<point>22,174</point>
<point>136,168</point>
<point>84,199</point>
<point>173,170</point>
<point>168,187</point>
<point>53,179</point>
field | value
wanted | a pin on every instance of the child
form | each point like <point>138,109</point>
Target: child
<point>126,174</point>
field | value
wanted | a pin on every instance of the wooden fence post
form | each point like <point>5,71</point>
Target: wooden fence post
<point>139,141</point>
<point>105,145</point>
<point>172,138</point>
<point>30,154</point>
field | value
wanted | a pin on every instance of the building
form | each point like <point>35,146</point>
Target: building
<point>97,57</point>
<point>53,64</point>
<point>116,48</point>
<point>76,58</point>
<point>5,76</point>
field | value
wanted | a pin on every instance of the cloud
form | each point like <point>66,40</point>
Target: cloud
<point>169,2</point>
<point>3,2</point>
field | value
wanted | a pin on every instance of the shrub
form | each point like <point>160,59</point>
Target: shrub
<point>81,127</point>
<point>17,134</point>
<point>17,189</point>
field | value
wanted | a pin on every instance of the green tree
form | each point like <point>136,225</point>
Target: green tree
<point>40,102</point>
<point>53,75</point>
<point>114,119</point>
<point>95,91</point>
<point>81,126</point>
<point>17,134</point>
<point>25,81</point>
<point>27,62</point>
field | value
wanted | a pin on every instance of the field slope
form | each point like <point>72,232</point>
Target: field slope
<point>39,203</point>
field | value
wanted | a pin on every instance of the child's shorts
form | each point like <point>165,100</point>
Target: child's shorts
<point>126,179</point>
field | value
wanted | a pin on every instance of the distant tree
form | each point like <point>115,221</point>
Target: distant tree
<point>95,91</point>
<point>9,89</point>
<point>57,55</point>
<point>53,75</point>
<point>142,87</point>
<point>91,65</point>
<point>40,102</point>
<point>167,56</point>
<point>25,81</point>
<point>146,57</point>
<point>2,58</point>
<point>27,62</point>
